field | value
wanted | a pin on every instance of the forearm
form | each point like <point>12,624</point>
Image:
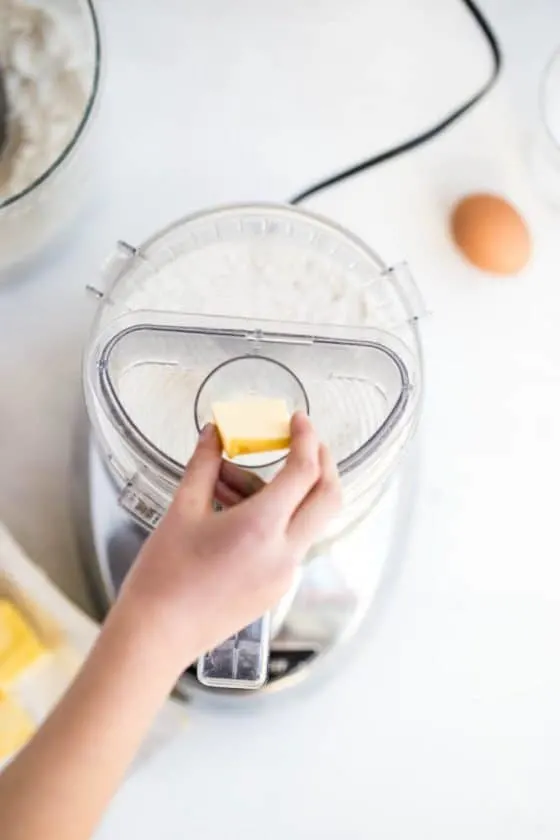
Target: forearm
<point>198,579</point>
<point>60,784</point>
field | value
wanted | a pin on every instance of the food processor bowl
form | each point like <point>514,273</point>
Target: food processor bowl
<point>155,362</point>
<point>38,207</point>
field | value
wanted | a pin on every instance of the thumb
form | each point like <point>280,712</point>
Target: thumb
<point>196,491</point>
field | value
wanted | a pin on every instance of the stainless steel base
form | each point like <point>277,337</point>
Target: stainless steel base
<point>332,598</point>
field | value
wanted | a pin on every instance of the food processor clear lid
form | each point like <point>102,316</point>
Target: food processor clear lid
<point>155,377</point>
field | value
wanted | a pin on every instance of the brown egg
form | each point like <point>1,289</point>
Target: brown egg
<point>491,234</point>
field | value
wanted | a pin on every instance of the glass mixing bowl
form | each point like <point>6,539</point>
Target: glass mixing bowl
<point>35,210</point>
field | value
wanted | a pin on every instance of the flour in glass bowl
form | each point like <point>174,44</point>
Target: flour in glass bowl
<point>42,53</point>
<point>263,278</point>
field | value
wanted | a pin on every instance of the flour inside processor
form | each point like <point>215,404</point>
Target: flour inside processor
<point>256,279</point>
<point>43,55</point>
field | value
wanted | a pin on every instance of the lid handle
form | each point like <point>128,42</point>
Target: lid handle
<point>411,298</point>
<point>114,266</point>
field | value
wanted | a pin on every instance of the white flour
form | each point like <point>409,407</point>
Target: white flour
<point>254,278</point>
<point>258,279</point>
<point>42,54</point>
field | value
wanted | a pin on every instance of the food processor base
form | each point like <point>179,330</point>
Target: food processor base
<point>335,591</point>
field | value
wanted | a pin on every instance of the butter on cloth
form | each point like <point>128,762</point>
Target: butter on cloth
<point>19,646</point>
<point>252,425</point>
<point>16,727</point>
<point>68,635</point>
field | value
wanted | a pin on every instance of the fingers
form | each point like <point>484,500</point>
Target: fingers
<point>242,481</point>
<point>196,491</point>
<point>226,496</point>
<point>236,484</point>
<point>323,502</point>
<point>287,490</point>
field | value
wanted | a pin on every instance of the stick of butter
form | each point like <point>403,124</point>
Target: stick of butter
<point>16,727</point>
<point>19,646</point>
<point>252,425</point>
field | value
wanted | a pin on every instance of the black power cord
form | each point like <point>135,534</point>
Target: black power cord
<point>430,133</point>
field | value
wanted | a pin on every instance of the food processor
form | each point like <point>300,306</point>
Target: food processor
<point>232,303</point>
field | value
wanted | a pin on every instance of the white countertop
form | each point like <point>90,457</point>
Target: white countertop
<point>445,723</point>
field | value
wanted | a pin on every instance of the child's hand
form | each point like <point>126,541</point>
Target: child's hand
<point>203,575</point>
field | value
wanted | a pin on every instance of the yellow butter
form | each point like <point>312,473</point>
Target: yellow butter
<point>252,425</point>
<point>16,727</point>
<point>19,645</point>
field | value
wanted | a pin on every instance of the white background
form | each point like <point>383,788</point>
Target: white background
<point>446,722</point>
